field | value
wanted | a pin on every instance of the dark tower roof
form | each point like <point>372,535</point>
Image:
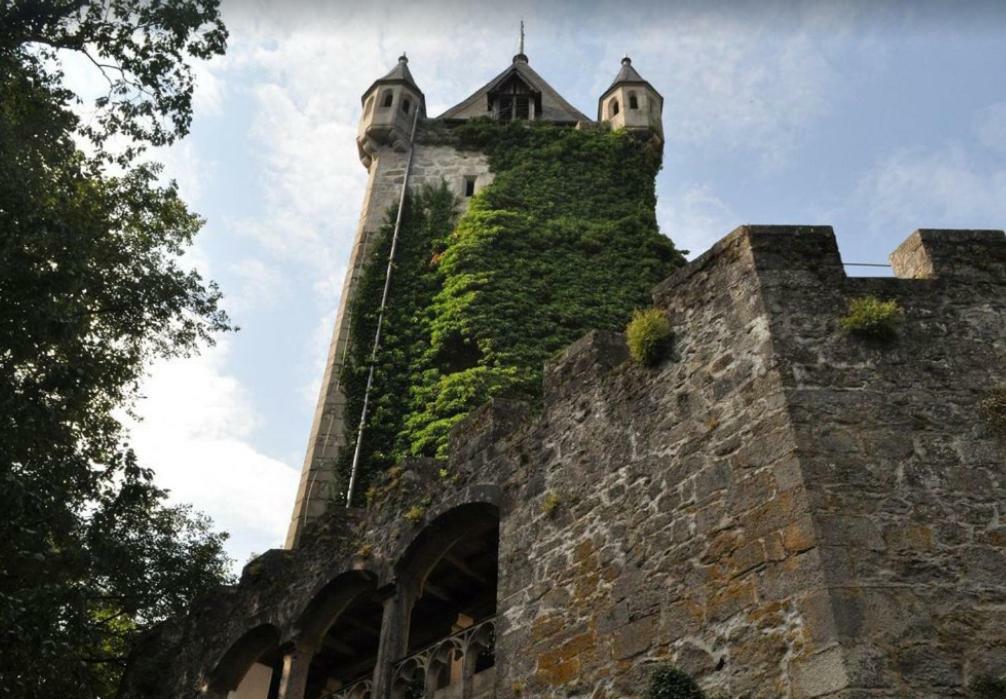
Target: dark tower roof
<point>399,75</point>
<point>553,107</point>
<point>628,75</point>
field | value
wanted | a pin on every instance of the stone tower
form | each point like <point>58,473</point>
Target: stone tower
<point>391,107</point>
<point>632,103</point>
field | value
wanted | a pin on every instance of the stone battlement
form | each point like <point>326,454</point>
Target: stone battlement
<point>779,508</point>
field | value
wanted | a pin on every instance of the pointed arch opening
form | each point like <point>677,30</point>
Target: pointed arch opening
<point>613,107</point>
<point>387,99</point>
<point>633,101</point>
<point>343,624</point>
<point>252,667</point>
<point>451,637</point>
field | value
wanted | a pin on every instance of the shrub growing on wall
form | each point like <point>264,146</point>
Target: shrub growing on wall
<point>648,336</point>
<point>988,687</point>
<point>993,409</point>
<point>873,318</point>
<point>564,240</point>
<point>668,682</point>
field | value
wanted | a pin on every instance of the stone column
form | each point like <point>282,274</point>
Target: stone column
<point>394,642</point>
<point>296,663</point>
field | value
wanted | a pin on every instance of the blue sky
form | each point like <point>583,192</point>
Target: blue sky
<point>875,118</point>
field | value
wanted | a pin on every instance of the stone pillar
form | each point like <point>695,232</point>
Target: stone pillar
<point>394,642</point>
<point>296,663</point>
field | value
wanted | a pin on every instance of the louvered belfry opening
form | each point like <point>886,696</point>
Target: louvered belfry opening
<point>514,100</point>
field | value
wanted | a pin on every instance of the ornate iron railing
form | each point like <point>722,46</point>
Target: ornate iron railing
<point>419,670</point>
<point>361,689</point>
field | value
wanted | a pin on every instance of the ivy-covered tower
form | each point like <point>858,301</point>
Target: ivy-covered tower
<point>459,151</point>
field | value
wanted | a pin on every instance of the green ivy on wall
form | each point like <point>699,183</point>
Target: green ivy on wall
<point>563,241</point>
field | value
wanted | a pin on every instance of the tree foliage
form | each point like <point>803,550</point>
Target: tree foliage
<point>564,240</point>
<point>91,289</point>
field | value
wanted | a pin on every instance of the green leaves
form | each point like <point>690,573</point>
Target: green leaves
<point>563,241</point>
<point>873,318</point>
<point>91,290</point>
<point>648,336</point>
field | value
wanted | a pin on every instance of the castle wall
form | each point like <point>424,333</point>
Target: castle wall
<point>683,532</point>
<point>906,482</point>
<point>780,509</point>
<point>431,165</point>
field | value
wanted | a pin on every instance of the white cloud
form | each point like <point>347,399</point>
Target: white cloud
<point>990,127</point>
<point>696,218</point>
<point>196,432</point>
<point>932,188</point>
<point>257,286</point>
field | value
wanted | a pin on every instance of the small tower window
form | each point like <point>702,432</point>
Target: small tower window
<point>388,96</point>
<point>614,107</point>
<point>469,186</point>
<point>406,104</point>
<point>633,101</point>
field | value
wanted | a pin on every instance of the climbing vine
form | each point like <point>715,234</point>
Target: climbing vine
<point>564,240</point>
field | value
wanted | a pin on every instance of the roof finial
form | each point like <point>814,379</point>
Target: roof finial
<point>520,54</point>
<point>403,58</point>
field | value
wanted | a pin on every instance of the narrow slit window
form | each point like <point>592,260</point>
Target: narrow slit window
<point>387,99</point>
<point>633,101</point>
<point>614,107</point>
<point>406,105</point>
<point>469,186</point>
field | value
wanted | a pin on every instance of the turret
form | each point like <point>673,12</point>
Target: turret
<point>631,103</point>
<point>389,107</point>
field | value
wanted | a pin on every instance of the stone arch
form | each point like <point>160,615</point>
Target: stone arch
<point>449,574</point>
<point>453,514</point>
<point>633,100</point>
<point>613,107</point>
<point>340,630</point>
<point>330,601</point>
<point>386,98</point>
<point>242,654</point>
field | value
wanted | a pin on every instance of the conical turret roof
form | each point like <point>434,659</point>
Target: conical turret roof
<point>628,75</point>
<point>399,75</point>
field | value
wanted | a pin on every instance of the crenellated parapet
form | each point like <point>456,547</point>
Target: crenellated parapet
<point>780,508</point>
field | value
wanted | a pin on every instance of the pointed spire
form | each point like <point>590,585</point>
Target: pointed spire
<point>399,74</point>
<point>521,56</point>
<point>627,74</point>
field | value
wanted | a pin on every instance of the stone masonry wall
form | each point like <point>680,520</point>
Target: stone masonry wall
<point>779,508</point>
<point>907,484</point>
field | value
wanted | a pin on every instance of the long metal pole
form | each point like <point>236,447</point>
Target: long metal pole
<point>380,315</point>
